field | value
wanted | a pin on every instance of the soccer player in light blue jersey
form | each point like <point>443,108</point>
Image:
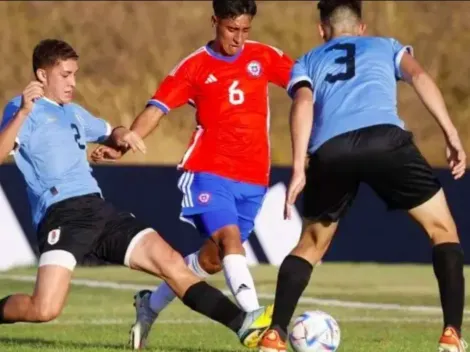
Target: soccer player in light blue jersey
<point>48,135</point>
<point>344,117</point>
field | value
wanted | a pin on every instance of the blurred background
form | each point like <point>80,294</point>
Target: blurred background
<point>127,47</point>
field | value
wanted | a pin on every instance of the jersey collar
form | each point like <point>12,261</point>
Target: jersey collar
<point>51,101</point>
<point>219,56</point>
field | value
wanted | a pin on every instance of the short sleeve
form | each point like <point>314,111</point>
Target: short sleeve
<point>96,129</point>
<point>398,52</point>
<point>299,74</point>
<point>175,90</point>
<point>9,113</point>
<point>280,67</point>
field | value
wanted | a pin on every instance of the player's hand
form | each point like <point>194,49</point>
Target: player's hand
<point>296,185</point>
<point>124,138</point>
<point>105,153</point>
<point>33,91</point>
<point>456,156</point>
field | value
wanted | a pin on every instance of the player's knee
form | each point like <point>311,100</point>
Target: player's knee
<point>441,230</point>
<point>317,237</point>
<point>45,312</point>
<point>211,264</point>
<point>229,240</point>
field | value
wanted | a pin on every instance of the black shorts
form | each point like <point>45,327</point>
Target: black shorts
<point>382,156</point>
<point>87,226</point>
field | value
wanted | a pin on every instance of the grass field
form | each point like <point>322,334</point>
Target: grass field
<point>379,308</point>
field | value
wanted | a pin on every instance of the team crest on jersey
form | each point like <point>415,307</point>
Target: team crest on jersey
<point>254,68</point>
<point>204,198</point>
<point>53,236</point>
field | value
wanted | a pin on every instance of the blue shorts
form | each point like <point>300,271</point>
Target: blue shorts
<point>211,202</point>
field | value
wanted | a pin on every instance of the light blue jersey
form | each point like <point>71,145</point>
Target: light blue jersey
<point>354,80</point>
<point>51,151</point>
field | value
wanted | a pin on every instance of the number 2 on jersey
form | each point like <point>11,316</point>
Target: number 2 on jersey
<point>349,60</point>
<point>77,136</point>
<point>235,95</point>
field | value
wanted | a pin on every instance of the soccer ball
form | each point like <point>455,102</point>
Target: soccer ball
<point>315,331</point>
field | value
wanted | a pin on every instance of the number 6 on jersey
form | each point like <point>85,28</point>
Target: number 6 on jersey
<point>235,95</point>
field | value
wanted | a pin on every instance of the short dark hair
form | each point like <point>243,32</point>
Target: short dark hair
<point>329,7</point>
<point>234,8</point>
<point>49,52</point>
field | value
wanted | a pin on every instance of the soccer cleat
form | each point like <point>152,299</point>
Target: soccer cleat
<point>254,326</point>
<point>450,341</point>
<point>272,342</point>
<point>145,317</point>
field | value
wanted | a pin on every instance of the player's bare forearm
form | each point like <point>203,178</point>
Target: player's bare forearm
<point>147,121</point>
<point>9,133</point>
<point>432,98</point>
<point>301,121</point>
<point>428,92</point>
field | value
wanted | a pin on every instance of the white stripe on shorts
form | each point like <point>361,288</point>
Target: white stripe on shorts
<point>58,257</point>
<point>133,243</point>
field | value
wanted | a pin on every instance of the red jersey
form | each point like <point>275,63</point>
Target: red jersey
<point>231,98</point>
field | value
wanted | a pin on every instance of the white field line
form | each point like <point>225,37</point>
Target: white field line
<point>304,300</point>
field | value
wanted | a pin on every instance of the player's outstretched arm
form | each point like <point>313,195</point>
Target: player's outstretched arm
<point>142,126</point>
<point>14,118</point>
<point>432,98</point>
<point>301,121</point>
<point>147,121</point>
<point>427,91</point>
<point>122,140</point>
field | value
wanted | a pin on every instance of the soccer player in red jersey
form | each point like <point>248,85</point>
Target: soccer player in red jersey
<point>227,164</point>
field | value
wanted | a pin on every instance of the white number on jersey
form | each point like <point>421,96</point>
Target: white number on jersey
<point>235,96</point>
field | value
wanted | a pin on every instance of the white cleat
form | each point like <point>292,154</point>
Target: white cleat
<point>144,320</point>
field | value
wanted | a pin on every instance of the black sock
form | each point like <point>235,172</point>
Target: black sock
<point>3,301</point>
<point>294,275</point>
<point>448,263</point>
<point>209,301</point>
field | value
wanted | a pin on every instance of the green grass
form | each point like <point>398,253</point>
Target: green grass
<point>98,319</point>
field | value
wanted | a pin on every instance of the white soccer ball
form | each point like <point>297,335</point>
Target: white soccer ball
<point>315,331</point>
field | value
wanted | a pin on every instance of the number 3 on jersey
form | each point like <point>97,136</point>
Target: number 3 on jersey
<point>235,94</point>
<point>349,60</point>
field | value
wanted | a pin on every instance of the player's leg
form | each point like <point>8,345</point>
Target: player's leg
<point>329,191</point>
<point>448,261</point>
<point>248,200</point>
<point>408,183</point>
<point>48,298</point>
<point>198,193</point>
<point>229,222</point>
<point>163,295</point>
<point>224,250</point>
<point>57,238</point>
<point>126,241</point>
<point>210,203</point>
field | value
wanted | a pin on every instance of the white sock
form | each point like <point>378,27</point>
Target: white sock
<point>163,295</point>
<point>240,281</point>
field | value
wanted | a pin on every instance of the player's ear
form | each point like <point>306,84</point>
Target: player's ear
<point>362,28</point>
<point>321,30</point>
<point>213,21</point>
<point>41,75</point>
